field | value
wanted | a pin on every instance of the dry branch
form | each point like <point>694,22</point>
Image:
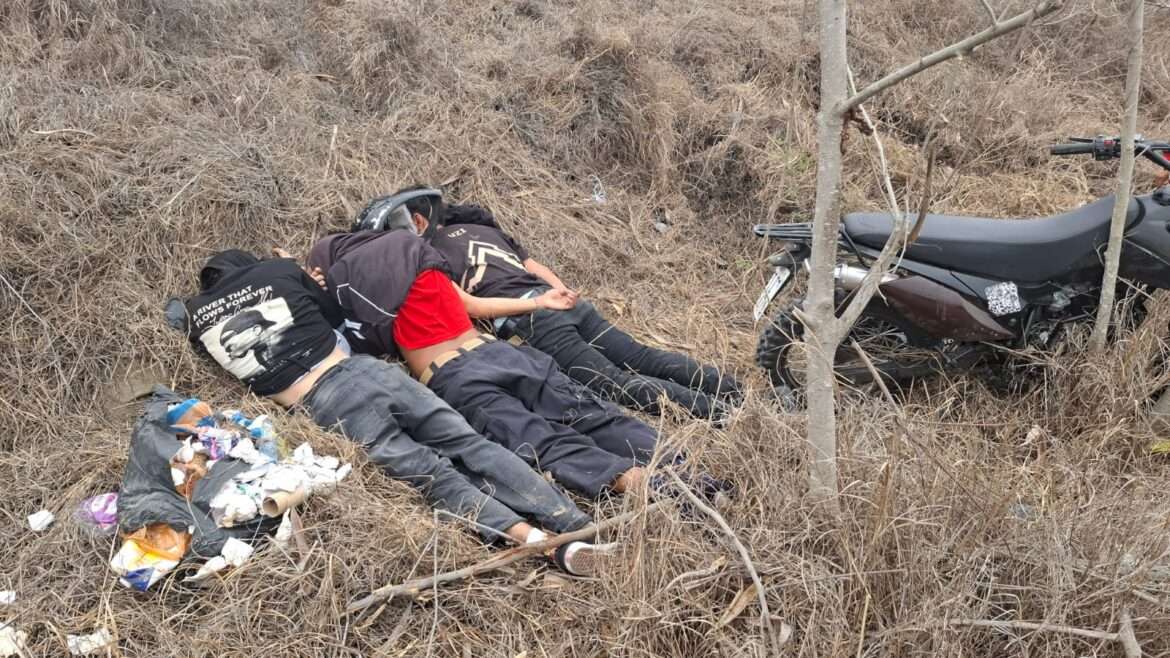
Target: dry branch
<point>873,372</point>
<point>954,50</point>
<point>78,131</point>
<point>897,238</point>
<point>990,12</point>
<point>1126,635</point>
<point>1033,626</point>
<point>765,615</point>
<point>924,207</point>
<point>502,559</point>
<point>696,574</point>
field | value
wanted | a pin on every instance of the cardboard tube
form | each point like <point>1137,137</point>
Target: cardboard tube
<point>277,503</point>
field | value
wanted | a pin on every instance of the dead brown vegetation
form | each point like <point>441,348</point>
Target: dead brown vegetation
<point>137,136</point>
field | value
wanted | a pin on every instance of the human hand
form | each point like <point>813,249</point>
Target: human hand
<point>317,275</point>
<point>556,299</point>
<point>571,294</point>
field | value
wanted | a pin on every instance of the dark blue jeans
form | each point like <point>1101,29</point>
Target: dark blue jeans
<point>612,364</point>
<point>416,437</point>
<point>518,398</point>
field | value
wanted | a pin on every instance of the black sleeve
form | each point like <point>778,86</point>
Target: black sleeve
<point>324,301</point>
<point>178,317</point>
<point>516,247</point>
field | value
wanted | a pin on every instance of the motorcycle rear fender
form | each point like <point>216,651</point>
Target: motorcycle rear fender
<point>792,255</point>
<point>942,312</point>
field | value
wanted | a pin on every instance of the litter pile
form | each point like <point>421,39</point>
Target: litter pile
<point>205,485</point>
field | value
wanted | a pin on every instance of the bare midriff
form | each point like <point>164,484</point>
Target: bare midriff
<point>293,394</point>
<point>418,360</point>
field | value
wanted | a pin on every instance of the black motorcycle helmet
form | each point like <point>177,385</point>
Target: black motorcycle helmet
<point>392,212</point>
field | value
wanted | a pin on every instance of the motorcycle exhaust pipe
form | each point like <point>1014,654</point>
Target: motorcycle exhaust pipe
<point>851,276</point>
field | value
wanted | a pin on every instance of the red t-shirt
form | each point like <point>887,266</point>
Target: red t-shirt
<point>431,314</point>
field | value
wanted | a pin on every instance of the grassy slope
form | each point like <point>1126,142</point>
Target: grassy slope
<point>137,136</point>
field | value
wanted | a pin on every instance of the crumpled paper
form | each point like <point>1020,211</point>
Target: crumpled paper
<point>241,499</point>
<point>12,641</point>
<point>40,520</point>
<point>84,645</point>
<point>234,554</point>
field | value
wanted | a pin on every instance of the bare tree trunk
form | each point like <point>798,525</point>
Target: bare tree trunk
<point>821,337</point>
<point>1133,77</point>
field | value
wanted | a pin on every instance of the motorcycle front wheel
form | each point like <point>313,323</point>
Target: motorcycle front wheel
<point>898,352</point>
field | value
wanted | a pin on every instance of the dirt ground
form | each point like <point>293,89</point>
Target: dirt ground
<point>139,136</point>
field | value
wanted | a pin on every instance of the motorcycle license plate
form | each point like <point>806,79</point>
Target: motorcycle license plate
<point>775,284</point>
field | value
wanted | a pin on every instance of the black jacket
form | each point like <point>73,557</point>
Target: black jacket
<point>369,275</point>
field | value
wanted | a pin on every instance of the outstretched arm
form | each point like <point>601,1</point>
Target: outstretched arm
<point>496,307</point>
<point>547,275</point>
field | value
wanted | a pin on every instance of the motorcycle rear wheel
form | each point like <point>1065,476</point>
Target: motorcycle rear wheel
<point>899,352</point>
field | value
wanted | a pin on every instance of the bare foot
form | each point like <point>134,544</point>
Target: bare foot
<point>630,480</point>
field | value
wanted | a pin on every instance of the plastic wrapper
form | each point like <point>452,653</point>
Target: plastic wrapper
<point>100,513</point>
<point>148,555</point>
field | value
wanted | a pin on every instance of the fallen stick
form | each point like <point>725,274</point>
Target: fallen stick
<point>765,615</point>
<point>502,559</point>
<point>697,573</point>
<point>79,131</point>
<point>1033,626</point>
<point>1130,588</point>
<point>1127,637</point>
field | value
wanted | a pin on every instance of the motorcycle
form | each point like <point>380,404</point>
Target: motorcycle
<point>969,291</point>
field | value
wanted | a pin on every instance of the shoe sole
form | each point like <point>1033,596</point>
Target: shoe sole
<point>591,560</point>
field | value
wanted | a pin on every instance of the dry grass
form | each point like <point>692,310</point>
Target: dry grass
<point>137,136</point>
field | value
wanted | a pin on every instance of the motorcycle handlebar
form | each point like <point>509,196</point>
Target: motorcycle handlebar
<point>1105,147</point>
<point>1070,149</point>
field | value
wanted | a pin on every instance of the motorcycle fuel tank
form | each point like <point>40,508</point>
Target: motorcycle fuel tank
<point>1145,253</point>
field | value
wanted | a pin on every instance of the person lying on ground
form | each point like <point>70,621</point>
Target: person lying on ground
<point>271,325</point>
<point>397,298</point>
<point>487,262</point>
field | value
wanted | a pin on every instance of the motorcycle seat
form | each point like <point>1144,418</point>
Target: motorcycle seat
<point>1020,250</point>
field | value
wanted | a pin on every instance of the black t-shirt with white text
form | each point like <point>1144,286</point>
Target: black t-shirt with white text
<point>266,323</point>
<point>485,261</point>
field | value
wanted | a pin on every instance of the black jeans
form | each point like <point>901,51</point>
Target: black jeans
<point>416,437</point>
<point>518,398</point>
<point>611,363</point>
